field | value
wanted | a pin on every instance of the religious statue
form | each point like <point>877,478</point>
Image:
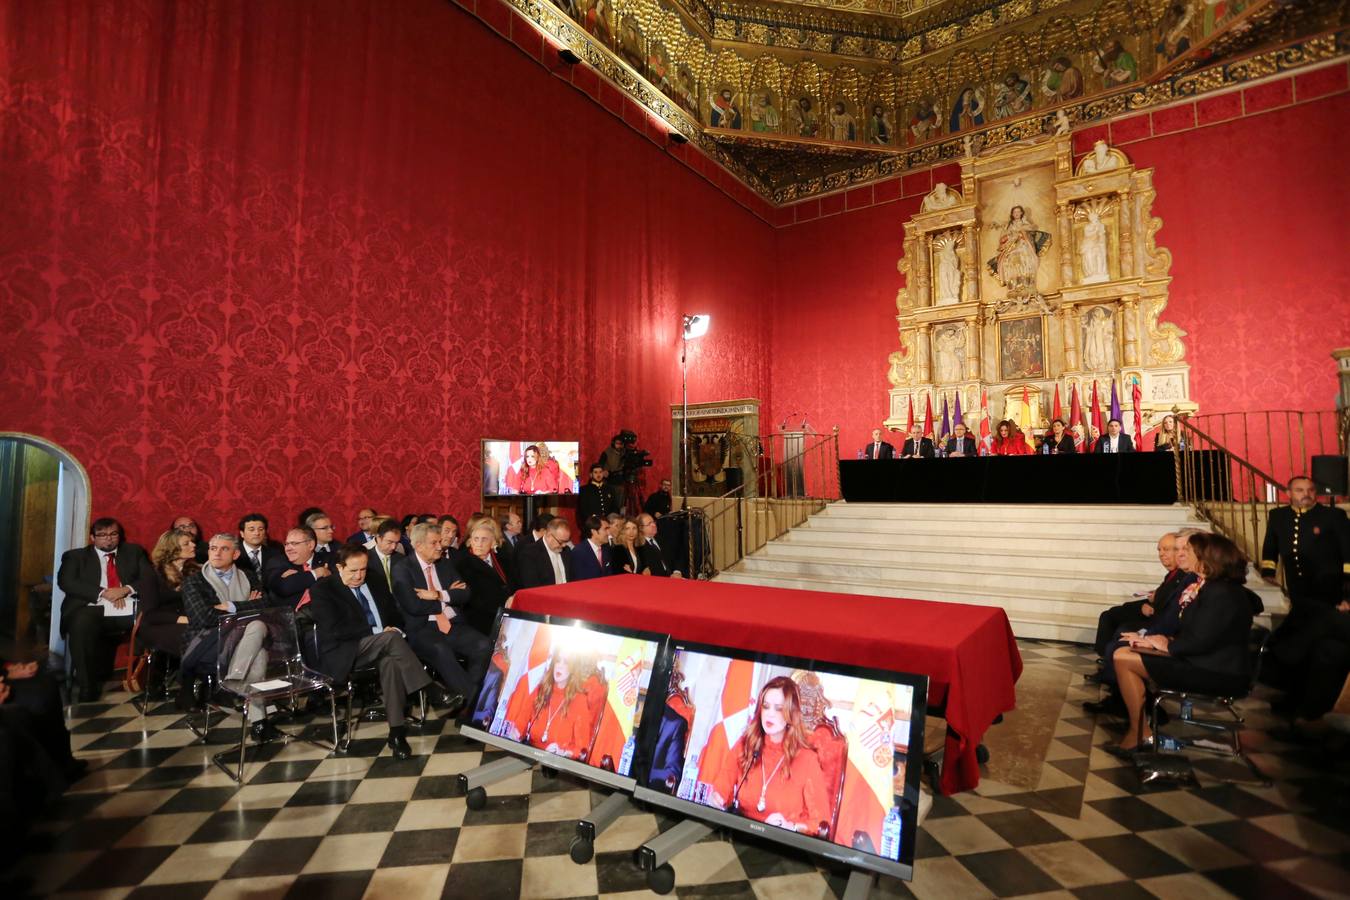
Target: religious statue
<point>948,269</point>
<point>951,354</point>
<point>842,125</point>
<point>764,116</point>
<point>1101,160</point>
<point>939,198</point>
<point>1019,253</point>
<point>1061,122</point>
<point>1092,250</point>
<point>1099,340</point>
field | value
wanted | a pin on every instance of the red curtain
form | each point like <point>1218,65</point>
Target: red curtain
<point>263,255</point>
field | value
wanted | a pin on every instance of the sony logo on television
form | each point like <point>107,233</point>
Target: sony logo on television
<point>755,826</point>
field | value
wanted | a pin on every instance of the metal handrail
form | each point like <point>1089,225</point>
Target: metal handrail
<point>1277,442</point>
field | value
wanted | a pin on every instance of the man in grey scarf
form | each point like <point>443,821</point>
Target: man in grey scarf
<point>223,588</point>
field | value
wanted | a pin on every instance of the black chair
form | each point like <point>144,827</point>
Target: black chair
<point>1232,726</point>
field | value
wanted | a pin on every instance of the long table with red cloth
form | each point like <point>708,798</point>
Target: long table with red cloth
<point>968,652</point>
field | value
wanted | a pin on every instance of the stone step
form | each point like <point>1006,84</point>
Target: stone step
<point>960,556</point>
<point>1063,542</point>
<point>1045,530</point>
<point>999,512</point>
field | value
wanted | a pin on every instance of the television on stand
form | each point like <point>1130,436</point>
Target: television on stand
<point>820,757</point>
<point>520,468</point>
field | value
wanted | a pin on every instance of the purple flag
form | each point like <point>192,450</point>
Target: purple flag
<point>1115,403</point>
<point>956,412</point>
<point>946,422</point>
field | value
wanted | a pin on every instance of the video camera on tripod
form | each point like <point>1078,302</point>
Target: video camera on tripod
<point>634,459</point>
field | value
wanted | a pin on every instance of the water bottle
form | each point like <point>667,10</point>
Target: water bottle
<point>1187,707</point>
<point>1170,744</point>
<point>890,834</point>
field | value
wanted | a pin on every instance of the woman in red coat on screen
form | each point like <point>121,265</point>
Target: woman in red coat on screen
<point>772,774</point>
<point>531,477</point>
<point>564,708</point>
<point>1010,441</point>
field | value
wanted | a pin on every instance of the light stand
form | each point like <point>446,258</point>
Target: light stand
<point>694,327</point>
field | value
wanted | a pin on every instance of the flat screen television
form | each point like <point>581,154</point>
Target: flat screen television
<point>525,468</point>
<point>809,754</point>
<point>570,695</point>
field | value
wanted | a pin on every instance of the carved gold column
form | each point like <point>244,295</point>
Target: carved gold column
<point>923,295</point>
<point>969,280</point>
<point>1130,313</point>
<point>923,343</point>
<point>1069,315</point>
<point>973,355</point>
<point>1065,245</point>
<point>1126,235</point>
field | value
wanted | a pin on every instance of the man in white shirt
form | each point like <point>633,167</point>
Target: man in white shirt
<point>1114,441</point>
<point>654,558</point>
<point>878,449</point>
<point>591,558</point>
<point>256,552</point>
<point>383,556</point>
<point>100,584</point>
<point>325,545</point>
<point>366,520</point>
<point>547,560</point>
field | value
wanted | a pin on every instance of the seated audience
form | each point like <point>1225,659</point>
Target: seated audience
<point>221,588</point>
<point>354,630</point>
<point>289,580</point>
<point>547,560</point>
<point>433,599</point>
<point>917,445</point>
<point>626,550</point>
<point>1059,440</point>
<point>511,526</point>
<point>1209,654</point>
<point>489,582</point>
<point>256,550</point>
<point>162,619</point>
<point>658,501</point>
<point>30,701</point>
<point>878,449</point>
<point>540,525</point>
<point>591,558</point>
<point>189,525</point>
<point>1166,439</point>
<point>450,548</point>
<point>383,554</point>
<point>960,443</point>
<point>653,555</point>
<point>1009,440</point>
<point>101,583</point>
<point>366,518</point>
<point>1115,440</point>
<point>325,544</point>
<point>613,520</point>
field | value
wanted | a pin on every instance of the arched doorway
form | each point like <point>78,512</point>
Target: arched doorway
<point>44,511</point>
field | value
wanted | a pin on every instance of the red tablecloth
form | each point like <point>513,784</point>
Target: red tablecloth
<point>968,652</point>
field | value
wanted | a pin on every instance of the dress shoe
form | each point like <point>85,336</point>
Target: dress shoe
<point>398,742</point>
<point>264,732</point>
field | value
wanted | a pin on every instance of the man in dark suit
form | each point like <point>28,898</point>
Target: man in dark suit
<point>655,559</point>
<point>324,541</point>
<point>101,582</point>
<point>432,597</point>
<point>658,502</point>
<point>289,580</point>
<point>365,521</point>
<point>878,449</point>
<point>917,445</point>
<point>961,443</point>
<point>512,540</point>
<point>597,498</point>
<point>547,560</point>
<point>1115,440</point>
<point>256,552</point>
<point>383,556</point>
<point>354,629</point>
<point>591,557</point>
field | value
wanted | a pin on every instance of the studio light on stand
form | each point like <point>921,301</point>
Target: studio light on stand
<point>694,327</point>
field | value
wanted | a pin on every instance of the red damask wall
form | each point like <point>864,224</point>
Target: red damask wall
<point>1253,201</point>
<point>263,255</point>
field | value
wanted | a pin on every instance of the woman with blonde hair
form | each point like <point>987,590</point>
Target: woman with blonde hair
<point>162,619</point>
<point>772,774</point>
<point>489,580</point>
<point>562,711</point>
<point>626,554</point>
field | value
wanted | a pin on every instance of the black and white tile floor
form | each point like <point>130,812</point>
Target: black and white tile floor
<point>155,818</point>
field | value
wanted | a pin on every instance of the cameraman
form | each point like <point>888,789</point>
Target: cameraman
<point>598,497</point>
<point>658,502</point>
<point>612,461</point>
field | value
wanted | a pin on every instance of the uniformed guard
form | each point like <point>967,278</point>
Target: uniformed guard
<point>1312,541</point>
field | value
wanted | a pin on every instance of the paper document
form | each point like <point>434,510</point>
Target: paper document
<point>276,684</point>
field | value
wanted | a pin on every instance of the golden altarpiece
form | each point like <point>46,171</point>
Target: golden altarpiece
<point>1035,274</point>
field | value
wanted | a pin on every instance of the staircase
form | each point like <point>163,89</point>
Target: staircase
<point>1054,568</point>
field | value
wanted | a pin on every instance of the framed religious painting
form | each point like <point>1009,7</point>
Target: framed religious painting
<point>1021,348</point>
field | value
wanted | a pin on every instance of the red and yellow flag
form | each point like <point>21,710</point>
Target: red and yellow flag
<point>869,791</point>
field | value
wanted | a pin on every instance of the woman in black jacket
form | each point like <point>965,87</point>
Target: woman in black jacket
<point>490,584</point>
<point>1209,654</point>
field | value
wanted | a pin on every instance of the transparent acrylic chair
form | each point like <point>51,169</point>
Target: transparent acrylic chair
<point>285,678</point>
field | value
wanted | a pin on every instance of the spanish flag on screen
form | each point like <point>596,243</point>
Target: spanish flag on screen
<point>536,664</point>
<point>869,791</point>
<point>616,719</point>
<point>737,696</point>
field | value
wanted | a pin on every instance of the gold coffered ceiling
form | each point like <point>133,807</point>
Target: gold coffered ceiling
<point>798,97</point>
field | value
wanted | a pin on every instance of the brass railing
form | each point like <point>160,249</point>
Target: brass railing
<point>796,477</point>
<point>1279,443</point>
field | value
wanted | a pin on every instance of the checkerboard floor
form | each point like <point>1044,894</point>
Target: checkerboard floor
<point>155,818</point>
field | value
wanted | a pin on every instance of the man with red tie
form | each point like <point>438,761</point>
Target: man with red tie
<point>591,559</point>
<point>878,449</point>
<point>289,580</point>
<point>100,584</point>
<point>432,598</point>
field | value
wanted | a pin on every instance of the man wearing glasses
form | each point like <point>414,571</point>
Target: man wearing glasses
<point>100,584</point>
<point>325,546</point>
<point>289,580</point>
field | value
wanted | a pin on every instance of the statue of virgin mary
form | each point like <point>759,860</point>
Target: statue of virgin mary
<point>1019,253</point>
